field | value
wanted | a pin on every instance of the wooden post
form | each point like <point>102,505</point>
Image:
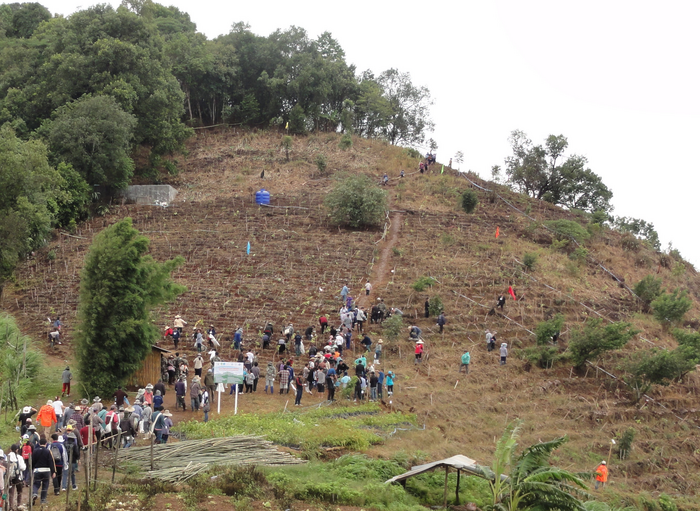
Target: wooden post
<point>116,455</point>
<point>31,482</point>
<point>447,470</point>
<point>69,485</point>
<point>457,491</point>
<point>152,438</point>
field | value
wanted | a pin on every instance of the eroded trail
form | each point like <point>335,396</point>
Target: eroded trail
<point>381,270</point>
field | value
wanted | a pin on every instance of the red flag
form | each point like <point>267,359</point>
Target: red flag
<point>498,232</point>
<point>512,293</point>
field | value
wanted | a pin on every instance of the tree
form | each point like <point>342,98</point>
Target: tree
<point>469,201</point>
<point>648,289</point>
<point>119,287</point>
<point>409,116</point>
<point>669,309</point>
<point>356,201</point>
<point>640,228</point>
<point>23,19</point>
<point>297,121</point>
<point>29,195</point>
<point>287,142</point>
<point>459,159</point>
<point>658,367</point>
<point>545,330</point>
<point>527,481</point>
<point>94,135</point>
<point>540,172</point>
<point>595,338</point>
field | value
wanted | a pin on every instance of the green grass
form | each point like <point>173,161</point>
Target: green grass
<point>354,428</point>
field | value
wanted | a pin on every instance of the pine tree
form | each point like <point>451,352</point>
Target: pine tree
<point>119,287</point>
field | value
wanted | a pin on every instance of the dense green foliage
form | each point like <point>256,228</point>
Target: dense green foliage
<point>660,367</point>
<point>543,173</point>
<point>422,283</point>
<point>596,337</point>
<point>640,228</point>
<point>568,230</point>
<point>469,201</point>
<point>356,201</point>
<point>435,306</point>
<point>545,330</point>
<point>119,287</point>
<point>393,327</point>
<point>648,289</point>
<point>529,261</point>
<point>670,308</point>
<point>531,482</point>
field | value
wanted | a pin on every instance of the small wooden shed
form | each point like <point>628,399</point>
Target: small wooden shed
<point>150,371</point>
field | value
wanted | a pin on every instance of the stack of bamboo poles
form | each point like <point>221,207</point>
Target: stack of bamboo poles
<point>180,461</point>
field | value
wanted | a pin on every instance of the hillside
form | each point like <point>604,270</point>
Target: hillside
<point>299,262</point>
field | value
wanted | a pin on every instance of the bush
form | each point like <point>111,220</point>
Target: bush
<point>547,329</point>
<point>287,144</point>
<point>297,121</point>
<point>435,306</point>
<point>648,289</point>
<point>580,255</point>
<point>321,163</point>
<point>413,153</point>
<point>469,201</point>
<point>568,229</point>
<point>422,283</point>
<point>661,367</point>
<point>345,142</point>
<point>529,260</point>
<point>625,442</point>
<point>393,327</point>
<point>599,217</point>
<point>595,338</point>
<point>543,357</point>
<point>357,201</point>
<point>670,308</point>
<point>689,342</point>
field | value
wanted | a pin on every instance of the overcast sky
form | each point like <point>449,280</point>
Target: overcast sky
<point>619,78</point>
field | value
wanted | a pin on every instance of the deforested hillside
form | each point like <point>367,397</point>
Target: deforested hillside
<point>428,248</point>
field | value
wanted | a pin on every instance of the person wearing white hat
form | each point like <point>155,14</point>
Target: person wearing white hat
<point>25,418</point>
<point>17,466</point>
<point>419,352</point>
<point>504,353</point>
<point>179,323</point>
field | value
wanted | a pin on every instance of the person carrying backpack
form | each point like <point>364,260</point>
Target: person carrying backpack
<point>44,470</point>
<point>60,460</point>
<point>17,467</point>
<point>73,454</point>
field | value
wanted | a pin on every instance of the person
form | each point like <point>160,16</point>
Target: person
<point>378,351</point>
<point>344,293</point>
<point>25,419</point>
<point>360,319</point>
<point>366,342</point>
<point>44,470</point>
<point>421,167</point>
<point>381,310</point>
<point>17,467</point>
<point>180,391</point>
<point>390,383</point>
<point>238,338</point>
<point>57,324</point>
<point>58,410</point>
<point>206,404</point>
<point>195,391</point>
<point>60,459</point>
<point>441,321</point>
<point>385,180</point>
<point>501,301</point>
<point>179,324</point>
<point>72,446</point>
<point>176,336</point>
<point>167,332</point>
<point>320,380</point>
<point>126,425</point>
<point>297,344</point>
<point>256,373</point>
<point>54,337</point>
<point>373,382</point>
<point>419,352</point>
<point>601,474</point>
<point>284,379</point>
<point>368,288</point>
<point>402,174</point>
<point>198,365</point>
<point>47,417</point>
<point>427,307</point>
<point>66,377</point>
<point>466,358</point>
<point>323,321</point>
<point>157,400</point>
<point>249,380</point>
<point>299,381</point>
<point>414,333</point>
<point>504,353</point>
<point>209,382</point>
<point>120,395</point>
<point>148,394</point>
<point>380,384</point>
<point>281,345</point>
<point>489,336</point>
<point>358,389</point>
<point>270,378</point>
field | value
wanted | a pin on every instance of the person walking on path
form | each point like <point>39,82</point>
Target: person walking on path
<point>504,353</point>
<point>323,321</point>
<point>179,324</point>
<point>419,352</point>
<point>427,307</point>
<point>66,377</point>
<point>378,352</point>
<point>180,391</point>
<point>270,378</point>
<point>466,358</point>
<point>441,321</point>
<point>601,474</point>
<point>44,470</point>
<point>198,364</point>
<point>195,391</point>
<point>299,381</point>
<point>17,468</point>
<point>368,288</point>
<point>47,417</point>
<point>284,380</point>
<point>373,382</point>
<point>344,294</point>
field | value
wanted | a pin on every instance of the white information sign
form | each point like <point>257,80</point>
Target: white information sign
<point>228,372</point>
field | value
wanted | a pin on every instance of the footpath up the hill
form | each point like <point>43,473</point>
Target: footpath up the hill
<point>299,262</point>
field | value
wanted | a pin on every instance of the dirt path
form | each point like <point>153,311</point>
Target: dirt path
<point>381,272</point>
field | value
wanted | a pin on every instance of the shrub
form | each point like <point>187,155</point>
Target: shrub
<point>413,153</point>
<point>579,255</point>
<point>625,442</point>
<point>529,260</point>
<point>689,342</point>
<point>657,368</point>
<point>435,306</point>
<point>543,357</point>
<point>648,289</point>
<point>568,229</point>
<point>422,283</point>
<point>357,201</point>
<point>287,144</point>
<point>469,201</point>
<point>345,142</point>
<point>595,338</point>
<point>546,329</point>
<point>321,163</point>
<point>393,327</point>
<point>599,217</point>
<point>297,120</point>
<point>670,308</point>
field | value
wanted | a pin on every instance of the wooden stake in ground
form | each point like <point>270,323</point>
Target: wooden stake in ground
<point>31,484</point>
<point>151,452</point>
<point>116,454</point>
<point>447,471</point>
<point>69,484</point>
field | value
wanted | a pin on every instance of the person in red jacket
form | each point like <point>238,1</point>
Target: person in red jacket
<point>323,321</point>
<point>419,352</point>
<point>47,417</point>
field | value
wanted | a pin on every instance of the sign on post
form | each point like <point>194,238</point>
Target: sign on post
<point>228,373</point>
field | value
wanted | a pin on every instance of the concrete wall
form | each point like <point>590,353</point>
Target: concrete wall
<point>150,195</point>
